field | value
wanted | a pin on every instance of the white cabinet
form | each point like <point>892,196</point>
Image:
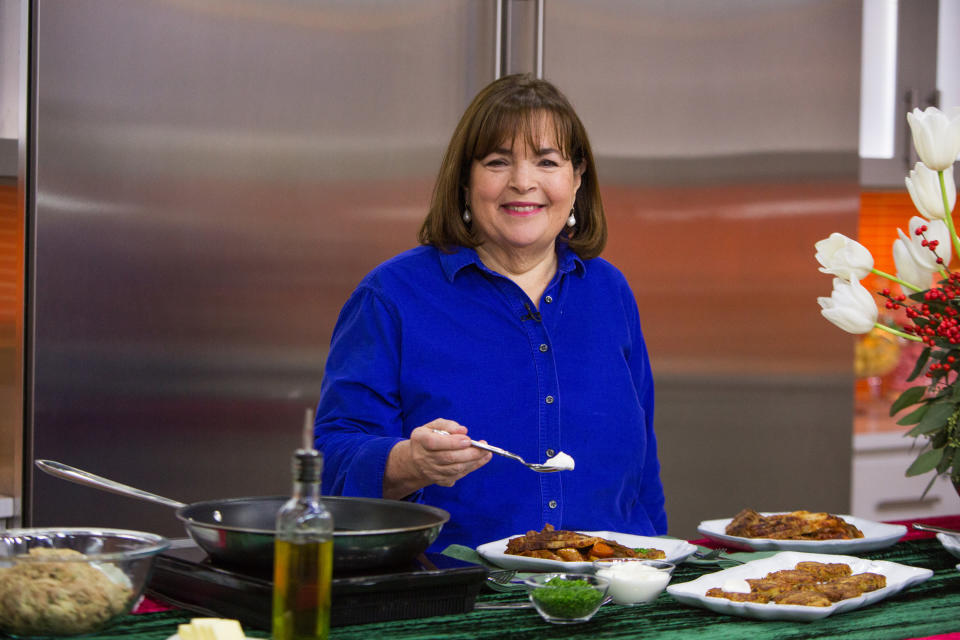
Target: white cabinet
<point>881,491</point>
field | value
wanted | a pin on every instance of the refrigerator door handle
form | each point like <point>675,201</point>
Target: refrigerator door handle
<point>503,28</point>
<point>538,39</point>
<point>498,40</point>
<point>504,24</point>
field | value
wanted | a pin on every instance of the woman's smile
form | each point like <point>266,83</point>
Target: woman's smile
<point>521,208</point>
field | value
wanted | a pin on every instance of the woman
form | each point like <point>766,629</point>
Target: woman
<point>503,326</point>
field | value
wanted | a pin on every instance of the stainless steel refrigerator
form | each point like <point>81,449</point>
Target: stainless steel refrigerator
<point>207,180</point>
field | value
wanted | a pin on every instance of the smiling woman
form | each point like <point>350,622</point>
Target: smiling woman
<point>507,323</point>
<point>520,199</point>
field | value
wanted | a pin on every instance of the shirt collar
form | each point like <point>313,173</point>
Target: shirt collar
<point>452,263</point>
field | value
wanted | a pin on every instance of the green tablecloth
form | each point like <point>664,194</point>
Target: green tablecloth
<point>932,607</point>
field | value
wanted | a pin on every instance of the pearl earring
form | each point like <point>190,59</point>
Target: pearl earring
<point>466,215</point>
<point>572,220</point>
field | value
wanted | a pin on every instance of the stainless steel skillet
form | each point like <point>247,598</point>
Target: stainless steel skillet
<point>369,533</point>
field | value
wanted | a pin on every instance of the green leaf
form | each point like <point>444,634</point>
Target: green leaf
<point>945,460</point>
<point>914,416</point>
<point>934,419</point>
<point>925,462</point>
<point>911,396</point>
<point>929,484</point>
<point>918,368</point>
<point>939,439</point>
<point>956,460</point>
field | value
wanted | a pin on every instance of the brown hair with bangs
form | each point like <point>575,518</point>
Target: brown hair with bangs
<point>506,109</point>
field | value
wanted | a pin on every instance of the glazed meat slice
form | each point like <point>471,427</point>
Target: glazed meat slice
<point>824,571</point>
<point>868,581</point>
<point>549,538</point>
<point>769,588</point>
<point>569,546</point>
<point>809,584</point>
<point>824,526</point>
<point>743,523</point>
<point>836,591</point>
<point>569,554</point>
<point>545,554</point>
<point>735,596</point>
<point>792,576</point>
<point>852,586</point>
<point>797,525</point>
<point>803,597</point>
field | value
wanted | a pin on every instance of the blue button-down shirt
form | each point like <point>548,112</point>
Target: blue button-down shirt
<point>431,335</point>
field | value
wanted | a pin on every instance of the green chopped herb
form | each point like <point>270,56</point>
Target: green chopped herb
<point>561,598</point>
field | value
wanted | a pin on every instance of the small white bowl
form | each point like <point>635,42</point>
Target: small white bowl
<point>634,580</point>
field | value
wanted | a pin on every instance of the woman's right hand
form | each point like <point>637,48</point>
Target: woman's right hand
<point>431,458</point>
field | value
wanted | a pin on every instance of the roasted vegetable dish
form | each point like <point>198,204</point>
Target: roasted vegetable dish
<point>570,546</point>
<point>797,525</point>
<point>811,584</point>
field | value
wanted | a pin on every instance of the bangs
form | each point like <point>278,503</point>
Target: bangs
<point>535,126</point>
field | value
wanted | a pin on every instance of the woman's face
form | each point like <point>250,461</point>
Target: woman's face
<point>520,198</point>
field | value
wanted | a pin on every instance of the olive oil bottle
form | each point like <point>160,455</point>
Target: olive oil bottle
<point>303,556</point>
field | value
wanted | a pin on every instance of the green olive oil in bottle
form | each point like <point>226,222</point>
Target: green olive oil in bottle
<point>303,556</point>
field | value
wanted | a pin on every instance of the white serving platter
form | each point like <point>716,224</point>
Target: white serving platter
<point>495,552</point>
<point>899,577</point>
<point>876,535</point>
<point>950,543</point>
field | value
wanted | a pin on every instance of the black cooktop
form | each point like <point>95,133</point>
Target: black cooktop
<point>434,585</point>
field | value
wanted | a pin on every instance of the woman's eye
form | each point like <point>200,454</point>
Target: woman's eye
<point>496,162</point>
<point>546,162</point>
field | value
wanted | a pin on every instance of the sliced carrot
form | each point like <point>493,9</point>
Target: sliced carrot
<point>601,550</point>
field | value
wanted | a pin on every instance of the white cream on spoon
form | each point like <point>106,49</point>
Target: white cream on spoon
<point>561,462</point>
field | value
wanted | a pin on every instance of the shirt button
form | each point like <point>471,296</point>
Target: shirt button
<point>543,348</point>
<point>549,399</point>
<point>552,504</point>
<point>548,299</point>
<point>551,453</point>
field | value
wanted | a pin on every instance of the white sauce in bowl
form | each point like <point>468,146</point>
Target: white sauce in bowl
<point>634,582</point>
<point>561,461</point>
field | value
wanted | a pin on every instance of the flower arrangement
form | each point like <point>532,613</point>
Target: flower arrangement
<point>929,297</point>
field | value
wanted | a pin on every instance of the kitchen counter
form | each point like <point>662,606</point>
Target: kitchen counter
<point>923,610</point>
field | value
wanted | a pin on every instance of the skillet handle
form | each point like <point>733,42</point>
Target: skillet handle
<point>88,479</point>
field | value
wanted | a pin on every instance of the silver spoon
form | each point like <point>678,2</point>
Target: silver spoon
<point>542,468</point>
<point>929,527</point>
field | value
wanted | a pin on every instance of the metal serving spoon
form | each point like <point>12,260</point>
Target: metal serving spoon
<point>929,527</point>
<point>542,468</point>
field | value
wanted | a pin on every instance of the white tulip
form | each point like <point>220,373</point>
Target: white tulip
<point>907,268</point>
<point>936,136</point>
<point>924,187</point>
<point>851,307</point>
<point>843,257</point>
<point>923,256</point>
